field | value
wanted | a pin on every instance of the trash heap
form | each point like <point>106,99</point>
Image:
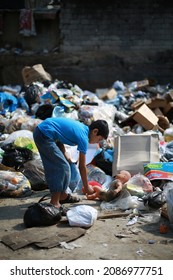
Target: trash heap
<point>140,118</point>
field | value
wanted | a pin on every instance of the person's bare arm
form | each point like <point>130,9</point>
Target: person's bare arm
<point>83,173</point>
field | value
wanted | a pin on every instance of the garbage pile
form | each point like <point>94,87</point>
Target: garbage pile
<point>140,118</point>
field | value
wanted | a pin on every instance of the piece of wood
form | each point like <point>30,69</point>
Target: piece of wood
<point>112,215</point>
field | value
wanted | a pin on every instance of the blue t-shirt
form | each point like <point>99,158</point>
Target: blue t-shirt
<point>67,131</point>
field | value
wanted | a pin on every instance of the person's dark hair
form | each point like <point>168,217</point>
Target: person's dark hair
<point>102,126</point>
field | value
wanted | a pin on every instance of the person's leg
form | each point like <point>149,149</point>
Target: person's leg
<point>55,198</point>
<point>56,168</point>
<point>57,173</point>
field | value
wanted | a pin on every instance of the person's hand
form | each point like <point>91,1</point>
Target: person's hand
<point>96,193</point>
<point>88,190</point>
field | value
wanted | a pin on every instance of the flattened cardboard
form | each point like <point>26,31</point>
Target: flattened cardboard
<point>43,237</point>
<point>131,152</point>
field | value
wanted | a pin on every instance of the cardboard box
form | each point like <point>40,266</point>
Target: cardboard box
<point>101,92</point>
<point>168,111</point>
<point>169,95</point>
<point>110,94</point>
<point>158,112</point>
<point>35,73</point>
<point>159,170</point>
<point>143,83</point>
<point>143,116</point>
<point>157,102</point>
<point>137,104</point>
<point>131,152</point>
<point>168,107</point>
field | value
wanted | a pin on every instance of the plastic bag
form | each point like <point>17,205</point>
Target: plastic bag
<point>30,124</point>
<point>34,171</point>
<point>15,156</point>
<point>32,93</point>
<point>82,216</point>
<point>154,200</point>
<point>41,214</point>
<point>89,113</point>
<point>16,134</point>
<point>139,185</point>
<point>14,184</point>
<point>8,103</point>
<point>86,113</point>
<point>25,142</point>
<point>15,123</point>
<point>120,202</point>
<point>96,174</point>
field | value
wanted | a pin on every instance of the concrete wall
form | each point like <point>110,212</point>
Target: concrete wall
<point>94,43</point>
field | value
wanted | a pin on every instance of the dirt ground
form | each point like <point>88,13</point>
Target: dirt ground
<point>107,239</point>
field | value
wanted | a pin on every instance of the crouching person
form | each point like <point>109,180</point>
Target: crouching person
<point>50,136</point>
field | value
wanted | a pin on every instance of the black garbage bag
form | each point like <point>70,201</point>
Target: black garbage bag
<point>15,156</point>
<point>154,199</point>
<point>41,214</point>
<point>32,93</point>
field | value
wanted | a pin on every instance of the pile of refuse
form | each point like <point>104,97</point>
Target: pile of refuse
<point>140,119</point>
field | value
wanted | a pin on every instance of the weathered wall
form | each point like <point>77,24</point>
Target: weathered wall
<point>98,42</point>
<point>46,26</point>
<point>116,26</point>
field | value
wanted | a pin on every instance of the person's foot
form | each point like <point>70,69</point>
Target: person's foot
<point>70,199</point>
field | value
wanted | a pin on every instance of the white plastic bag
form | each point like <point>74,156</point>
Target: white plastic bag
<point>82,216</point>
